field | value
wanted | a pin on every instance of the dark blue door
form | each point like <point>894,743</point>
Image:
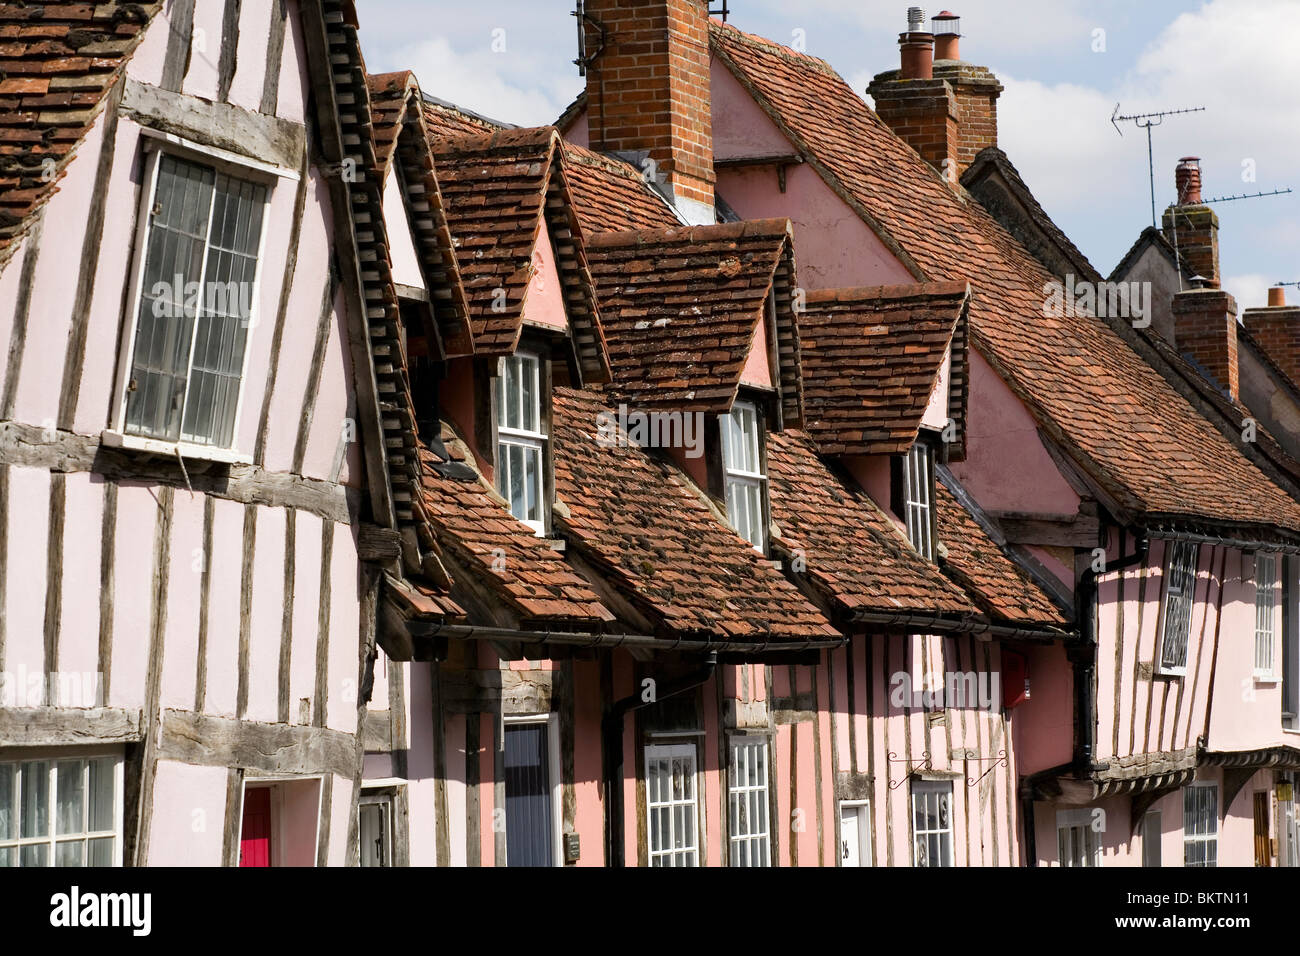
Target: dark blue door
<point>528,796</point>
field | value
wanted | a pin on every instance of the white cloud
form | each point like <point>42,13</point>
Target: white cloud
<point>1250,291</point>
<point>480,81</point>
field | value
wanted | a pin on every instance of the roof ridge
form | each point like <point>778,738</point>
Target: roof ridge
<point>773,227</point>
<point>718,28</point>
<point>917,290</point>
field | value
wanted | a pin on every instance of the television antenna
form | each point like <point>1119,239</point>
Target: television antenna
<point>724,12</point>
<point>1146,121</point>
<point>1275,192</point>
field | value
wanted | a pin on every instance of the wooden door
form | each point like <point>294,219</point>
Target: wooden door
<point>1263,852</point>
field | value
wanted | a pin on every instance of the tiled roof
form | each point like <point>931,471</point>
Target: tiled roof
<point>974,559</point>
<point>610,196</point>
<point>1140,441</point>
<point>680,307</point>
<point>872,358</point>
<point>497,187</point>
<point>446,119</point>
<point>401,136</point>
<point>1029,221</point>
<point>474,527</point>
<point>658,542</point>
<point>58,62</point>
<point>852,552</point>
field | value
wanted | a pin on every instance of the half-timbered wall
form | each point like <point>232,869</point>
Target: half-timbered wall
<point>220,604</point>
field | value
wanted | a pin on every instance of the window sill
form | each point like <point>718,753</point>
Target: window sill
<point>1267,679</point>
<point>153,446</point>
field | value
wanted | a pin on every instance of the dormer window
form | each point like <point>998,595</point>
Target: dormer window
<point>918,498</point>
<point>521,439</point>
<point>746,481</point>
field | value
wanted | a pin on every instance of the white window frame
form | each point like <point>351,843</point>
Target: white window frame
<point>925,789</point>
<point>1266,617</point>
<point>1183,560</point>
<point>524,437</point>
<point>731,425</point>
<point>384,798</point>
<point>1208,838</point>
<point>1076,826</point>
<point>696,846</point>
<point>54,756</point>
<point>552,722</point>
<point>760,841</point>
<point>155,146</point>
<point>861,809</point>
<point>918,498</point>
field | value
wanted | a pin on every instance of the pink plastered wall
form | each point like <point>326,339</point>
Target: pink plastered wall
<point>1000,430</point>
<point>544,297</point>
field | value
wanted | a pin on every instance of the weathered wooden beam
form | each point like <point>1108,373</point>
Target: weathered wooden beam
<point>64,451</point>
<point>66,726</point>
<point>1058,531</point>
<point>206,741</point>
<point>255,135</point>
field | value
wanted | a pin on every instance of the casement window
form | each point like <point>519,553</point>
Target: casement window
<point>202,233</point>
<point>672,805</point>
<point>1078,842</point>
<point>375,826</point>
<point>1265,614</point>
<point>747,793</point>
<point>918,498</point>
<point>931,823</point>
<point>1290,644</point>
<point>61,811</point>
<point>1180,582</point>
<point>521,439</point>
<point>1151,835</point>
<point>855,833</point>
<point>532,791</point>
<point>746,483</point>
<point>1200,824</point>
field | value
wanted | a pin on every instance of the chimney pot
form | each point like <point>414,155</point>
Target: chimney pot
<point>1187,177</point>
<point>915,20</point>
<point>1277,297</point>
<point>947,31</point>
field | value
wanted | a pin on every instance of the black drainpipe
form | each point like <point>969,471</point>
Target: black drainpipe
<point>611,732</point>
<point>1084,656</point>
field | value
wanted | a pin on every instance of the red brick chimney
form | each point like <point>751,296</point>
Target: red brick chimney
<point>1192,227</point>
<point>648,92</point>
<point>947,114</point>
<point>1277,330</point>
<point>1205,331</point>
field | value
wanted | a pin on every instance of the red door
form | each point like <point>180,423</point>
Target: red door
<point>255,841</point>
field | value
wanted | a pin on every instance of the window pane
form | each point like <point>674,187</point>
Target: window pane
<point>165,324</point>
<point>511,406</point>
<point>8,857</point>
<point>8,818</point>
<point>532,483</point>
<point>35,854</point>
<point>70,796</point>
<point>517,480</point>
<point>69,853</point>
<point>101,851</point>
<point>35,803</point>
<point>103,783</point>
<point>528,401</point>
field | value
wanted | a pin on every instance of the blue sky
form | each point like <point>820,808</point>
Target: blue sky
<point>1065,64</point>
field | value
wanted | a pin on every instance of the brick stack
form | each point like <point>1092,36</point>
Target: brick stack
<point>648,88</point>
<point>1205,331</point>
